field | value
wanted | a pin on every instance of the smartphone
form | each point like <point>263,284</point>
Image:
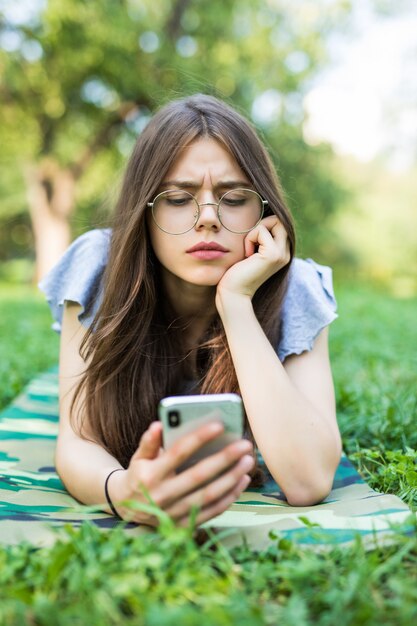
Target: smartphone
<point>181,415</point>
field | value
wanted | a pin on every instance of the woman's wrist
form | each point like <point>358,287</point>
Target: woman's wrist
<point>230,303</point>
<point>115,490</point>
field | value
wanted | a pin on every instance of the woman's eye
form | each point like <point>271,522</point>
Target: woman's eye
<point>177,201</point>
<point>236,201</point>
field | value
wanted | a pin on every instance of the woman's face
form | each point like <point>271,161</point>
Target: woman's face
<point>206,170</point>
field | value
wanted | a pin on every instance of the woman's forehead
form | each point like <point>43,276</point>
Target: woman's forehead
<point>204,158</point>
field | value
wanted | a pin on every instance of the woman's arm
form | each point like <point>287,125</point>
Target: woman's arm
<point>290,407</point>
<point>84,464</point>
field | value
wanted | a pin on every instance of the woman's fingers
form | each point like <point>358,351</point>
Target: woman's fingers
<point>219,506</point>
<point>199,485</point>
<point>153,470</point>
<point>271,242</point>
<point>269,232</point>
<point>202,473</point>
<point>203,496</point>
<point>150,443</point>
<point>186,446</point>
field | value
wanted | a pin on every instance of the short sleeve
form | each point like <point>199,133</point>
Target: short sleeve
<point>77,277</point>
<point>309,305</point>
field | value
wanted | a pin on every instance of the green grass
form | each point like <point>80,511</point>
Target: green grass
<point>165,578</point>
<point>27,345</point>
<point>374,358</point>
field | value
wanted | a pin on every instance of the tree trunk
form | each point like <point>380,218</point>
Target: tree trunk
<point>51,198</point>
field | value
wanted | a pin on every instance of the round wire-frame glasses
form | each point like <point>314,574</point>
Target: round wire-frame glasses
<point>229,201</point>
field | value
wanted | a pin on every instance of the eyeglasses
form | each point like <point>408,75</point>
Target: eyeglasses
<point>176,211</point>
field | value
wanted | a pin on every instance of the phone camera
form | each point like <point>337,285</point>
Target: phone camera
<point>174,418</point>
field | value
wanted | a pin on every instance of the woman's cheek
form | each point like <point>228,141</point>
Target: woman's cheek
<point>241,254</point>
<point>237,258</point>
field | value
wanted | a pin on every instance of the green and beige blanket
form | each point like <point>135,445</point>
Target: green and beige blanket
<point>34,504</point>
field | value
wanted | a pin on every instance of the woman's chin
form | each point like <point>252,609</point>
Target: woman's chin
<point>200,277</point>
<point>207,278</point>
<point>201,282</point>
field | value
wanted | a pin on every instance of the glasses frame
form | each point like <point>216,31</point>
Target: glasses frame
<point>199,205</point>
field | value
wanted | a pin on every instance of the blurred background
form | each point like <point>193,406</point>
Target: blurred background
<point>331,86</point>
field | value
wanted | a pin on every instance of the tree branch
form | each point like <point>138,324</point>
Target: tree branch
<point>105,134</point>
<point>173,27</point>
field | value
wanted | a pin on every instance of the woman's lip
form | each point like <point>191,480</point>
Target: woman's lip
<point>210,245</point>
<point>207,255</point>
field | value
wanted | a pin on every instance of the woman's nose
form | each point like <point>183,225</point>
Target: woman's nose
<point>208,217</point>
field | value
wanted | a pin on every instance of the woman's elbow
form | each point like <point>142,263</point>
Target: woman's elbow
<point>59,460</point>
<point>313,491</point>
<point>65,452</point>
<point>309,495</point>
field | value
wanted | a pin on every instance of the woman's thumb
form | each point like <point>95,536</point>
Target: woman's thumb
<point>150,443</point>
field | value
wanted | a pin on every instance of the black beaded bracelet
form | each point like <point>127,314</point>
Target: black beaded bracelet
<point>106,491</point>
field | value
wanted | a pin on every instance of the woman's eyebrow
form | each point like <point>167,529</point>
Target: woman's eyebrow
<point>189,184</point>
<point>182,184</point>
<point>232,184</point>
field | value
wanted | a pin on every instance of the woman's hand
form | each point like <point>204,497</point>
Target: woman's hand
<point>267,251</point>
<point>154,469</point>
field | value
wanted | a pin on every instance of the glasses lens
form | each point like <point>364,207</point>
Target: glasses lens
<point>241,210</point>
<point>175,212</point>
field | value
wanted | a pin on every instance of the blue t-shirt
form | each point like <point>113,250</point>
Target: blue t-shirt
<point>309,303</point>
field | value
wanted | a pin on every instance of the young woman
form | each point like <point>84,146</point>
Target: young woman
<point>193,290</point>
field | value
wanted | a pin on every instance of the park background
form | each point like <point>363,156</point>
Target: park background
<point>331,86</point>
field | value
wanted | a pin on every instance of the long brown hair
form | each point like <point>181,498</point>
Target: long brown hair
<point>134,347</point>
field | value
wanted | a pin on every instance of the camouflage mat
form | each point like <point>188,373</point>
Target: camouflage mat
<point>34,504</point>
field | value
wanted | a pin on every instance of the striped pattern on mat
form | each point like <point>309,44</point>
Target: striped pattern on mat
<point>34,504</point>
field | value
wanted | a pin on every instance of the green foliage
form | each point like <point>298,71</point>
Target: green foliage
<point>392,471</point>
<point>77,95</point>
<point>379,229</point>
<point>314,189</point>
<point>164,578</point>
